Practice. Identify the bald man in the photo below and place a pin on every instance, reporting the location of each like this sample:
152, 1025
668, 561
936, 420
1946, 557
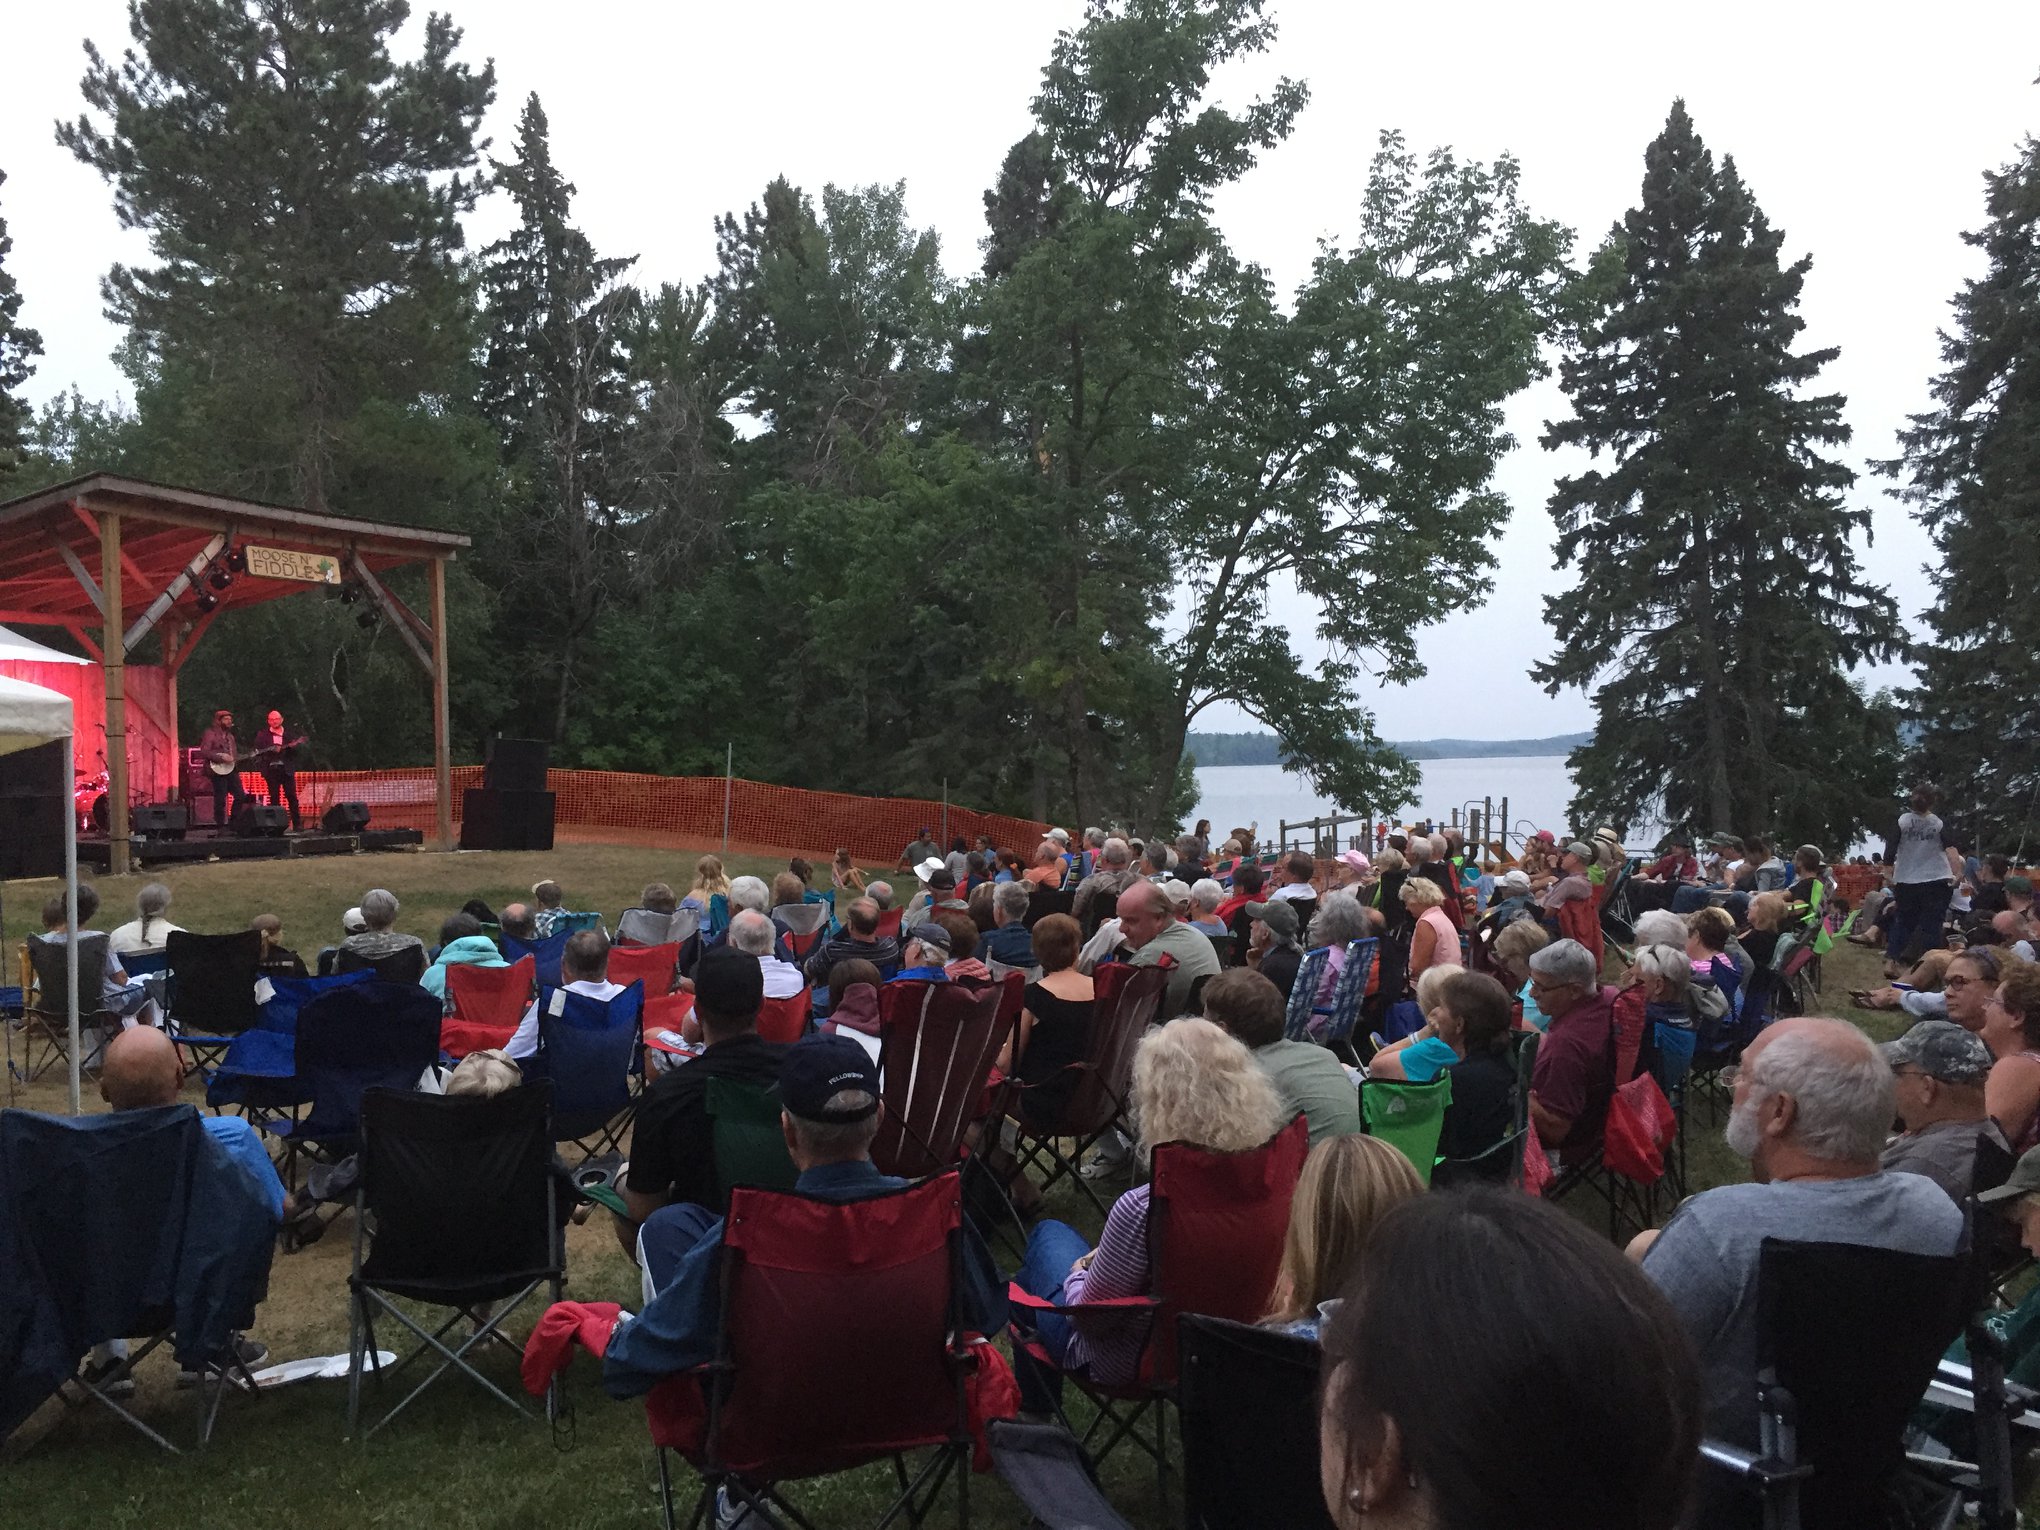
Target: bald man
1814, 1100
1148, 923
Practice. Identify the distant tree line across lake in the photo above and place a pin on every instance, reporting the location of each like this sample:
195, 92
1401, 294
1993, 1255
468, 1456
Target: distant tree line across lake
1266, 748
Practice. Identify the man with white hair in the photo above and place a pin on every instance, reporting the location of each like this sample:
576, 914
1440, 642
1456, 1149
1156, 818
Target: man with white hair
1205, 897
753, 934
1813, 1101
1574, 1075
1114, 875
584, 969
1009, 943
379, 912
751, 893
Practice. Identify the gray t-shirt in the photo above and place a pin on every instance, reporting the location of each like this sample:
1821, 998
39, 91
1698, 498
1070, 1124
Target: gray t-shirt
1922, 849
1194, 956
1706, 1260
1944, 1152
1312, 1081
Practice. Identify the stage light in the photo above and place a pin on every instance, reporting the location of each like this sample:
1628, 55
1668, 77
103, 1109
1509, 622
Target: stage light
207, 601
367, 621
237, 560
219, 578
350, 592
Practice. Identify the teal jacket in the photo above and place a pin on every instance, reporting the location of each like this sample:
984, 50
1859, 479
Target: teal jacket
468, 951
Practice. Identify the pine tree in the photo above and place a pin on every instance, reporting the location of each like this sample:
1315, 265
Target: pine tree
17, 344
302, 192
1973, 471
1719, 606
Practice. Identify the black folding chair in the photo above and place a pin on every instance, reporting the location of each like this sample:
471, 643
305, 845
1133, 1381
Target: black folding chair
1248, 1405
46, 1023
209, 997
405, 965
1848, 1339
465, 1208
1047, 1470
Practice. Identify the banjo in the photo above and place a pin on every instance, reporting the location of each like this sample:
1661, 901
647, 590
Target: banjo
227, 764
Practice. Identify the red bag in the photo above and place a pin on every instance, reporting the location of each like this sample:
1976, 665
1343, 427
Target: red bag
1640, 1127
1537, 1170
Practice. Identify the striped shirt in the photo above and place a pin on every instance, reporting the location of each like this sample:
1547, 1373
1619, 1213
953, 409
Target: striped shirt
1108, 1348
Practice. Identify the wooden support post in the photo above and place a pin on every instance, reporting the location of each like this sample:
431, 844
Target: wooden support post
171, 653
115, 667
442, 724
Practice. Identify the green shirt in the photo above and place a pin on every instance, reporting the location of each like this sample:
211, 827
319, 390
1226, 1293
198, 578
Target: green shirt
1311, 1080
1195, 958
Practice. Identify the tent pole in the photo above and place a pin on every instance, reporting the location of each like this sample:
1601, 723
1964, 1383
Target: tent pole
71, 915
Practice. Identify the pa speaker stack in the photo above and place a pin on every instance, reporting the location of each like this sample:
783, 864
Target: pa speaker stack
512, 810
161, 820
260, 820
34, 797
345, 818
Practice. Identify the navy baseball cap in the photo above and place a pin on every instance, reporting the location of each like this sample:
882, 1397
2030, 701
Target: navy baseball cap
816, 1069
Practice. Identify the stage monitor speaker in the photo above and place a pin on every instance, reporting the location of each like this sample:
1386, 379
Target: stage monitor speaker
32, 833
516, 765
161, 820
261, 820
345, 818
499, 820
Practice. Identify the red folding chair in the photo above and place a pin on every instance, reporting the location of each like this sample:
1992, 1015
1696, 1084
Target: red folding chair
859, 1302
785, 1020
804, 943
937, 1043
889, 923
657, 967
484, 1005
1127, 1000
1216, 1223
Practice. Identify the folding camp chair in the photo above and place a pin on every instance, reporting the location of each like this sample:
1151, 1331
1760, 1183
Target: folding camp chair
1248, 1402
1216, 1224
1833, 1408
351, 1039
544, 953
1310, 976
406, 964
657, 967
1331, 1024
466, 1217
1127, 1001
937, 1044
802, 925
127, 1226
1046, 1469
573, 923
785, 1020
46, 1022
259, 1070
1408, 1117
593, 1051
209, 997
485, 1005
750, 1147
1617, 913
858, 1300
889, 923
646, 927
718, 914
1044, 901
1502, 1162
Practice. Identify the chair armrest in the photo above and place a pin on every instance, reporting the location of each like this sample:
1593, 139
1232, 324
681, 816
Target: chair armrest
1027, 1299
1767, 1472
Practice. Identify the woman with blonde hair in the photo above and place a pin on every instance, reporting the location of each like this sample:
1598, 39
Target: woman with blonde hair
844, 873
1434, 941
1348, 1184
709, 879
1192, 1082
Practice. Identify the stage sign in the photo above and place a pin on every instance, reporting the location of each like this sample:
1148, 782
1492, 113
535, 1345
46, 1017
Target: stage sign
282, 563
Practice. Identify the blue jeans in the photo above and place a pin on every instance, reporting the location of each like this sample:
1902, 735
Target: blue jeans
668, 1236
1052, 1247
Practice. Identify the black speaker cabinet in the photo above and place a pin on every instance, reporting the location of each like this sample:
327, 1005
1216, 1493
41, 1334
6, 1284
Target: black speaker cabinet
32, 834
161, 820
260, 819
516, 765
345, 818
500, 820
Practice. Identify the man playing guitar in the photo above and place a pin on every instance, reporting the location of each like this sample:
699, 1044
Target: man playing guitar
276, 754
223, 758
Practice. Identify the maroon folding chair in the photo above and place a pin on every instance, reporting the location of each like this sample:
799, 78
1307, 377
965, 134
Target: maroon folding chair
1128, 998
937, 1044
839, 1345
657, 967
1216, 1223
889, 923
484, 1005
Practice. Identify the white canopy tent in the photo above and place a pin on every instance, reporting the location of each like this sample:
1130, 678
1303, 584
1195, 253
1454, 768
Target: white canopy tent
31, 715
16, 649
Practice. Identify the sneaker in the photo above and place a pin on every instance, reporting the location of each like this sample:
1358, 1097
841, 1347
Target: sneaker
248, 1354
733, 1516
94, 1375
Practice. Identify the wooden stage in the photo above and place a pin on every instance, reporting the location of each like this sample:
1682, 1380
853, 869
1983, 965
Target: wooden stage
206, 845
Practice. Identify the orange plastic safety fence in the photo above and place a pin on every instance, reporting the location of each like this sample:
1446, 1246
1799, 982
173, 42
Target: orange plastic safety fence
624, 808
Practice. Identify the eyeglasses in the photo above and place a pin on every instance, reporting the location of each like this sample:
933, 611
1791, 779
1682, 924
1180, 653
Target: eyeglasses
1950, 984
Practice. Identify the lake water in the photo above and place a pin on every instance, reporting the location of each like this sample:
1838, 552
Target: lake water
1538, 787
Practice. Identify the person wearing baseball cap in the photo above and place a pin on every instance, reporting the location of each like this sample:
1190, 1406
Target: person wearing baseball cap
1272, 949
1940, 1070
924, 952
2018, 1199
672, 1160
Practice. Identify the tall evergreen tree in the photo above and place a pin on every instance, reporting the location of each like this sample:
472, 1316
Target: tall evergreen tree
17, 345
1972, 466
1720, 605
302, 193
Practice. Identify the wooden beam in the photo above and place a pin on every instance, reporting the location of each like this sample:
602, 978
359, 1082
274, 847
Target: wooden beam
82, 574
161, 605
442, 726
84, 641
400, 617
115, 670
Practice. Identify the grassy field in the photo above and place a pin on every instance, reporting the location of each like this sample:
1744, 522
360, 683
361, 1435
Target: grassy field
457, 1459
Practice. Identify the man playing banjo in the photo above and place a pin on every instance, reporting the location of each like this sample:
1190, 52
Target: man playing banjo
222, 754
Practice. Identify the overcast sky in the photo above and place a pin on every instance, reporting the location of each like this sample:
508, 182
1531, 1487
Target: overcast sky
1862, 133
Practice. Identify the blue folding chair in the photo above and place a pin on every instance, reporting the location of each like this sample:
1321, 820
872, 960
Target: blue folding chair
259, 1071
209, 996
1296, 1020
1332, 1024
143, 963
351, 1039
545, 954
593, 1051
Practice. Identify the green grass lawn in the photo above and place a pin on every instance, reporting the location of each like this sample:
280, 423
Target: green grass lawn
457, 1459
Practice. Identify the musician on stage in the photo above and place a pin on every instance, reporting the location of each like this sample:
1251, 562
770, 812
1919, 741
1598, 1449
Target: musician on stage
278, 757
222, 754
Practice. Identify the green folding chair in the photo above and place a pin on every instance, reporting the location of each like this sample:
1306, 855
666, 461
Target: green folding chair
750, 1149
1408, 1117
